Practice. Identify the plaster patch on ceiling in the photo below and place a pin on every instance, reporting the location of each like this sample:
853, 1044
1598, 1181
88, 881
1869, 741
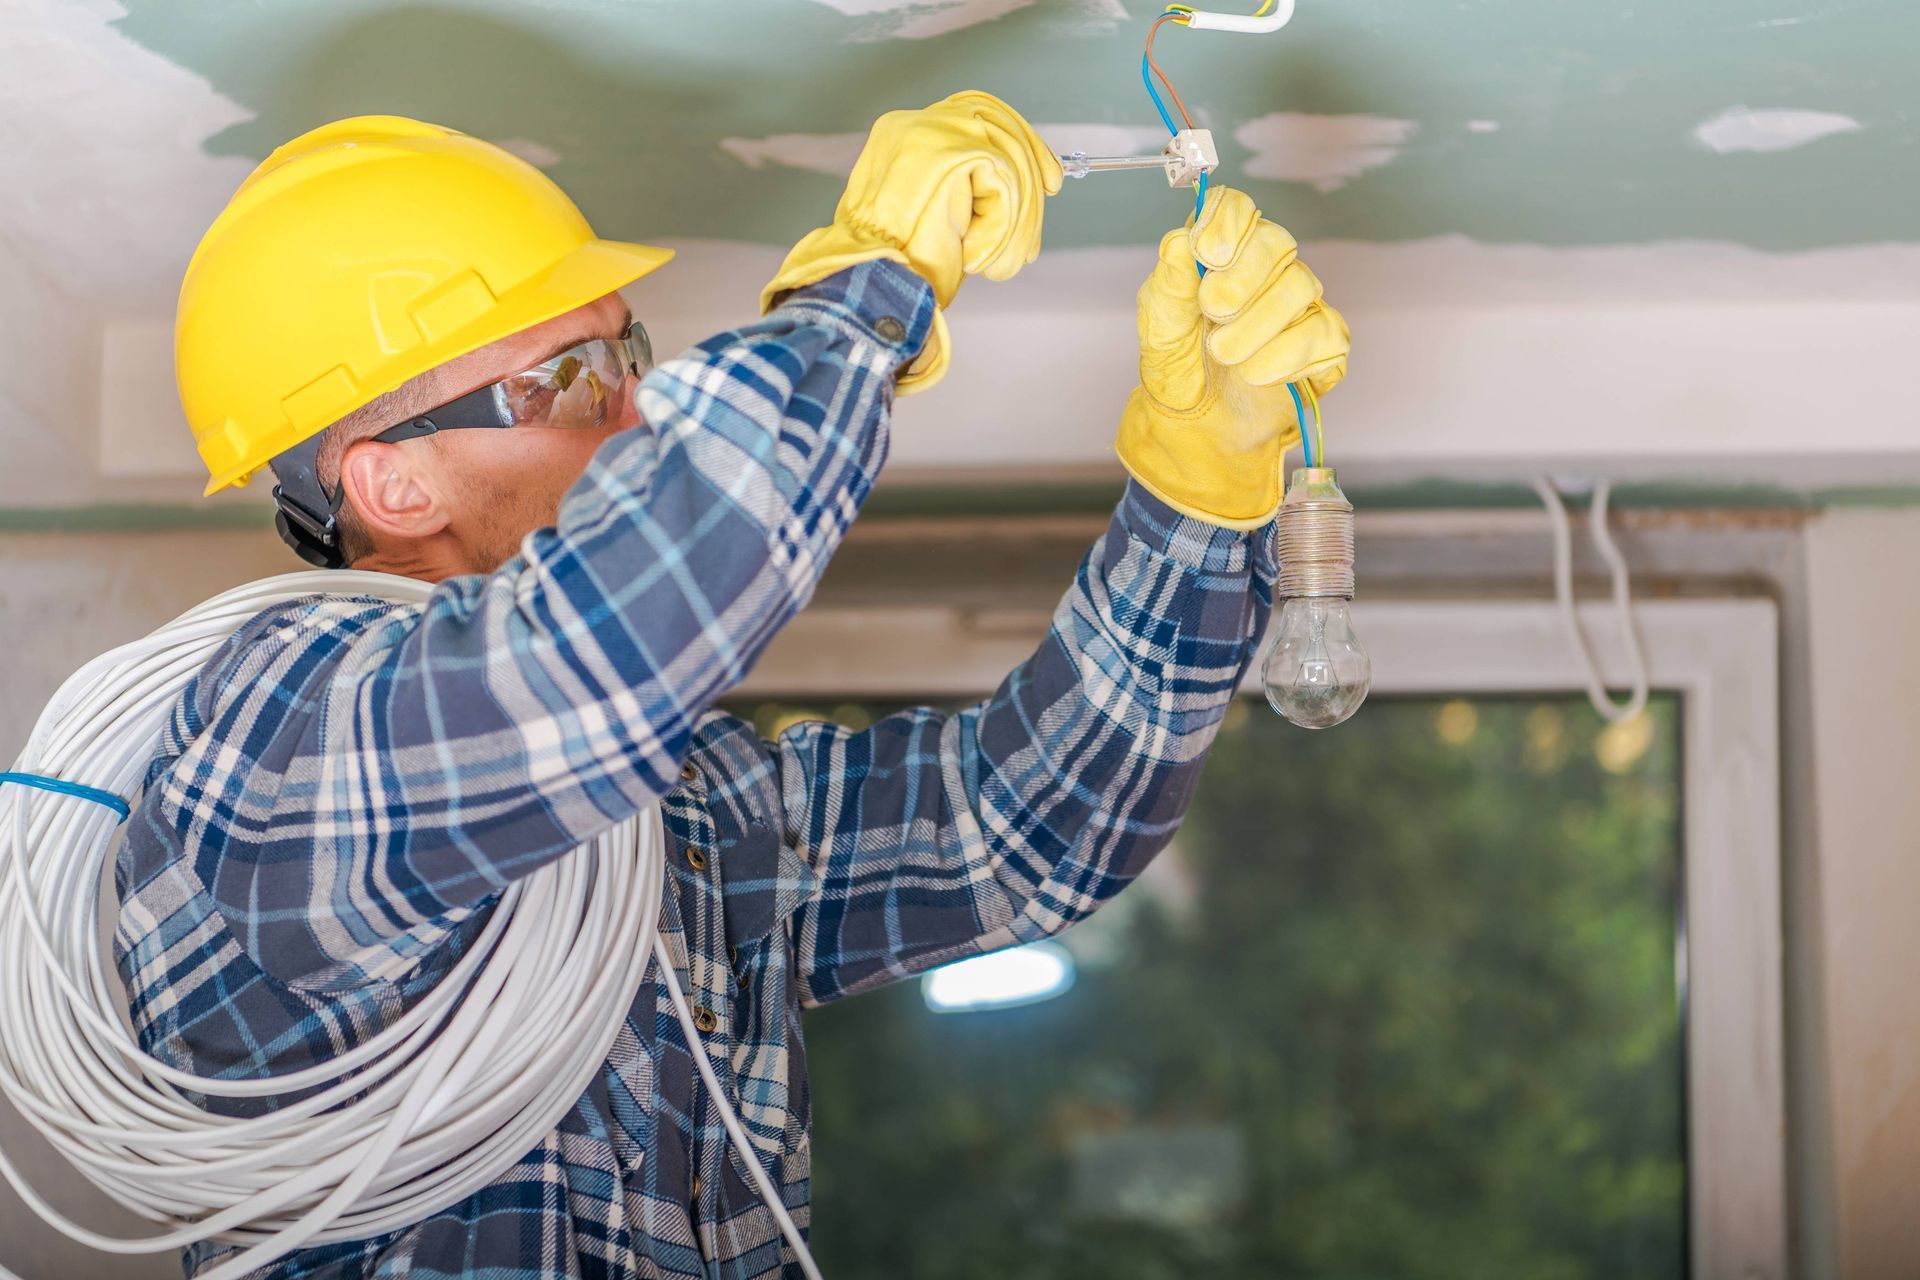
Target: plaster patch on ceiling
537, 154
1325, 152
920, 19
1105, 13
1747, 129
1821, 14
828, 153
118, 219
1104, 139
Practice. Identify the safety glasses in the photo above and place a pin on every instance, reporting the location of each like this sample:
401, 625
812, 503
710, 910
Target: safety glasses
579, 387
576, 388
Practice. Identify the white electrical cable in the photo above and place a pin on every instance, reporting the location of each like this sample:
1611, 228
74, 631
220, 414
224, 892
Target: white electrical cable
1243, 23
1612, 712
419, 1117
762, 1181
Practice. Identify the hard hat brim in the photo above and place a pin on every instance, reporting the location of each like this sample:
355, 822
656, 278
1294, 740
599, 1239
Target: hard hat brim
591, 271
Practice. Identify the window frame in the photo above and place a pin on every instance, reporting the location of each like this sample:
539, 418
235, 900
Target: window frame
1720, 656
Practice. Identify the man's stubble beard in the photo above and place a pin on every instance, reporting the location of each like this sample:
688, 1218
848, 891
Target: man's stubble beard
512, 512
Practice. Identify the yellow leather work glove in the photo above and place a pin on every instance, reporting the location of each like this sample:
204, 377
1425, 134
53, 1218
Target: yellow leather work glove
951, 191
1206, 429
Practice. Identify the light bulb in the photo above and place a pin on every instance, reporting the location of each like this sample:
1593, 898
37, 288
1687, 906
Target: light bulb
1318, 672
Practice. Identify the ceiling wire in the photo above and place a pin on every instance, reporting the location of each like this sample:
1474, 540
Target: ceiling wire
1611, 711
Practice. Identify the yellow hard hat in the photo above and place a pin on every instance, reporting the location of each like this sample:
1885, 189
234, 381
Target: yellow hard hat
359, 256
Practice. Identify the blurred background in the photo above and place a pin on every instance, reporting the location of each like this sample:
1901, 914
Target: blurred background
1476, 984
1397, 1002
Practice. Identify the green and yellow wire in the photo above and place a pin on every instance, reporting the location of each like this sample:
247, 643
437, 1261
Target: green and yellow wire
1319, 431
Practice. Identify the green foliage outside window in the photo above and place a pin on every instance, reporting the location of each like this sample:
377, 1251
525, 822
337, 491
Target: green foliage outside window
1399, 1003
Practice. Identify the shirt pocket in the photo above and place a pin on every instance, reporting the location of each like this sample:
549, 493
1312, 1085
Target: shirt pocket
764, 881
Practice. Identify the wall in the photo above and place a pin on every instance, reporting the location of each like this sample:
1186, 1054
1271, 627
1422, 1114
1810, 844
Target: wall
1716, 365
66, 597
1863, 618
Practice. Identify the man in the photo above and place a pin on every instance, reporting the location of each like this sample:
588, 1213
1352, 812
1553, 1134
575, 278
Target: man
423, 338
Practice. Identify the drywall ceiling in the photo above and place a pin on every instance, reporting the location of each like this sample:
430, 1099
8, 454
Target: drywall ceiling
1567, 159
1782, 124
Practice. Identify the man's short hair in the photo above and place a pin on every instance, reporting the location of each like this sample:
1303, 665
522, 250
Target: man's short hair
364, 423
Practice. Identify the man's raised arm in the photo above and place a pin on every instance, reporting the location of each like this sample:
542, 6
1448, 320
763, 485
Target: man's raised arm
936, 837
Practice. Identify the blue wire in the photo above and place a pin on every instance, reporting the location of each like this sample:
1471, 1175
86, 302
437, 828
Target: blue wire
1306, 432
1200, 194
1146, 75
55, 785
1199, 204
1199, 207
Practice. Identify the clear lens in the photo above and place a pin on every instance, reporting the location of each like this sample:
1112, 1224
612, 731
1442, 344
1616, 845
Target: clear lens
639, 348
578, 387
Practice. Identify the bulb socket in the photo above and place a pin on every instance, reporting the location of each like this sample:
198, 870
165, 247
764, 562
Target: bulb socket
1315, 538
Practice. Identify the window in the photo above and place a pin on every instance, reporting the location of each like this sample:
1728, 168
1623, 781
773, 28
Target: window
1472, 985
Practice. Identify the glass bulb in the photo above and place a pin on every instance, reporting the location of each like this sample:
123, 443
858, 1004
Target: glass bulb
1318, 672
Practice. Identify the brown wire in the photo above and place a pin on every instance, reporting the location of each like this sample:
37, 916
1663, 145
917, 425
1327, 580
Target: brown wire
1172, 92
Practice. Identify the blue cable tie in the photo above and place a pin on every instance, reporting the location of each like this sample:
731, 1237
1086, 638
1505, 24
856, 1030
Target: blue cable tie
95, 794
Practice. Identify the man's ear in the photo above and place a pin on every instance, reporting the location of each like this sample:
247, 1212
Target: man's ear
393, 490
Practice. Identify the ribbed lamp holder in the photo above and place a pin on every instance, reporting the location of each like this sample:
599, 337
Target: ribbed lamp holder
1316, 538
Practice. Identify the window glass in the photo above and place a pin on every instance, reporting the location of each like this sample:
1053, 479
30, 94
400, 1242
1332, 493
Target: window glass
1399, 1001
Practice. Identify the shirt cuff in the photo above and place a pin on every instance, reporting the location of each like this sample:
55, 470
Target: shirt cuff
885, 301
1196, 543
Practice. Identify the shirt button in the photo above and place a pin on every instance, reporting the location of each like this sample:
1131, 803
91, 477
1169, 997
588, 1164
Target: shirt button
696, 857
705, 1020
688, 773
890, 328
694, 1187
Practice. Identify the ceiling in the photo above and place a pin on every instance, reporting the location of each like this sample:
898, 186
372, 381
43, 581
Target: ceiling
1536, 170
1782, 124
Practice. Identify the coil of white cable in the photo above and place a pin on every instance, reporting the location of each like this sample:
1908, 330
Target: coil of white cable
417, 1118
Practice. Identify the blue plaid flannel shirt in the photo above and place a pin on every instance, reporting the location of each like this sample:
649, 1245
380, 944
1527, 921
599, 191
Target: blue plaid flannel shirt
344, 789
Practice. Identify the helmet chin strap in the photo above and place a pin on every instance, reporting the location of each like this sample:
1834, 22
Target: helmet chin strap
307, 518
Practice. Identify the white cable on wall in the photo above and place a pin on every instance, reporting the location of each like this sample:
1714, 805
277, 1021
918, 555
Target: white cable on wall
418, 1118
1597, 694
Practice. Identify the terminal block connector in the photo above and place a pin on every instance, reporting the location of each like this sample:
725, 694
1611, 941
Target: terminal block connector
1184, 159
1190, 156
